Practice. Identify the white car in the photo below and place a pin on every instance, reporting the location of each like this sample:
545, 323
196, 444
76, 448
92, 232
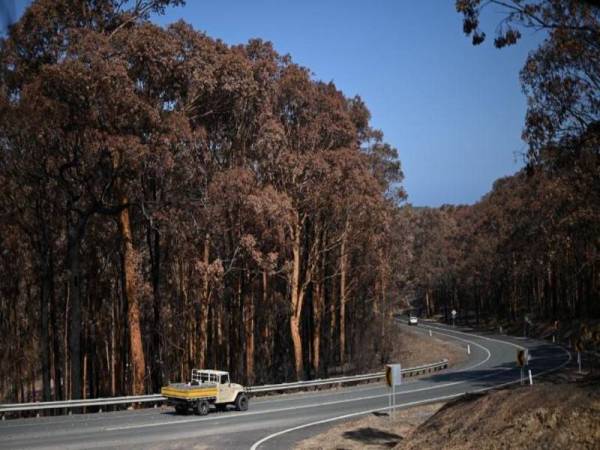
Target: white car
412, 320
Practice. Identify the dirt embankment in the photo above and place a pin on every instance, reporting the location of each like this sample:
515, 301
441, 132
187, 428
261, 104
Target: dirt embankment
558, 413
543, 416
413, 348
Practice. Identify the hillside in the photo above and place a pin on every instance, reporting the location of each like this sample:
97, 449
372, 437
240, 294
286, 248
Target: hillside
548, 415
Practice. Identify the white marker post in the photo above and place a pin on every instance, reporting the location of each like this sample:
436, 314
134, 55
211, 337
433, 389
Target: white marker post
430, 333
530, 378
453, 317
393, 375
468, 349
390, 402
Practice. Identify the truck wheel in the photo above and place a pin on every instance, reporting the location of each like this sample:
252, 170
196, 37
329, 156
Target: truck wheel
202, 408
241, 402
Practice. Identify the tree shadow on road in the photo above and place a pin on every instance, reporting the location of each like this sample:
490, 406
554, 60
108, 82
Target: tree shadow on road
373, 436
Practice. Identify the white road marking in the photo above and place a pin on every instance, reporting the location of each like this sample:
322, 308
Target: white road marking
478, 335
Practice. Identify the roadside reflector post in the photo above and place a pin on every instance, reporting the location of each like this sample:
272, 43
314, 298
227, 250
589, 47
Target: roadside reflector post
530, 378
522, 361
430, 333
393, 376
578, 345
468, 349
500, 329
388, 380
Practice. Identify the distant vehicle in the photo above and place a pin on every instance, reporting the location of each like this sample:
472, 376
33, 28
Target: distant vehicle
207, 387
412, 320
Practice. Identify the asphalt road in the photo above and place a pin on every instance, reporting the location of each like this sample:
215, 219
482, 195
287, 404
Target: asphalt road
278, 422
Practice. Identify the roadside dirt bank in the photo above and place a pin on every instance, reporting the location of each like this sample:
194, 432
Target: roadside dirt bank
544, 416
413, 348
550, 415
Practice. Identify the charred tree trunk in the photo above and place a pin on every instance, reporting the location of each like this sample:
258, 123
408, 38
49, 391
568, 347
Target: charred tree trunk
45, 299
266, 336
428, 308
297, 299
155, 260
74, 235
56, 355
130, 272
249, 329
204, 305
343, 293
317, 316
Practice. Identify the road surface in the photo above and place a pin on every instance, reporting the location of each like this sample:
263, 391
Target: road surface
279, 422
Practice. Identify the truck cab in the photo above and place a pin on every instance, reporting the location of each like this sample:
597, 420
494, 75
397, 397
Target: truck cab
226, 390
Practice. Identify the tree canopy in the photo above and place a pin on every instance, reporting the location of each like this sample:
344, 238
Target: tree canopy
168, 201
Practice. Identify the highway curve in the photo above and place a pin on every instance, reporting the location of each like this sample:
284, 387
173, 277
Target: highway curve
279, 421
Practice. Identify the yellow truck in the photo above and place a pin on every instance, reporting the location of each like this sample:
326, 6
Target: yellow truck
206, 388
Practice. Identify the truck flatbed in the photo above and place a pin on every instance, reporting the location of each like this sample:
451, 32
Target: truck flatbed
186, 391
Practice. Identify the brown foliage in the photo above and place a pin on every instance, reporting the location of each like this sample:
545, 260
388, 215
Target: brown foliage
168, 201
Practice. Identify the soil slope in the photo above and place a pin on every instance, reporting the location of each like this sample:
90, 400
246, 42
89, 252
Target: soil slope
544, 416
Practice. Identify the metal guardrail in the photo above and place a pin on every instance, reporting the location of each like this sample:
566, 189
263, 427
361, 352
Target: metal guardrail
411, 371
66, 404
156, 398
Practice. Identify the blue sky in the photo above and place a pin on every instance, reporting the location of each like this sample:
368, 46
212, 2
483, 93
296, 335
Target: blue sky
453, 111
